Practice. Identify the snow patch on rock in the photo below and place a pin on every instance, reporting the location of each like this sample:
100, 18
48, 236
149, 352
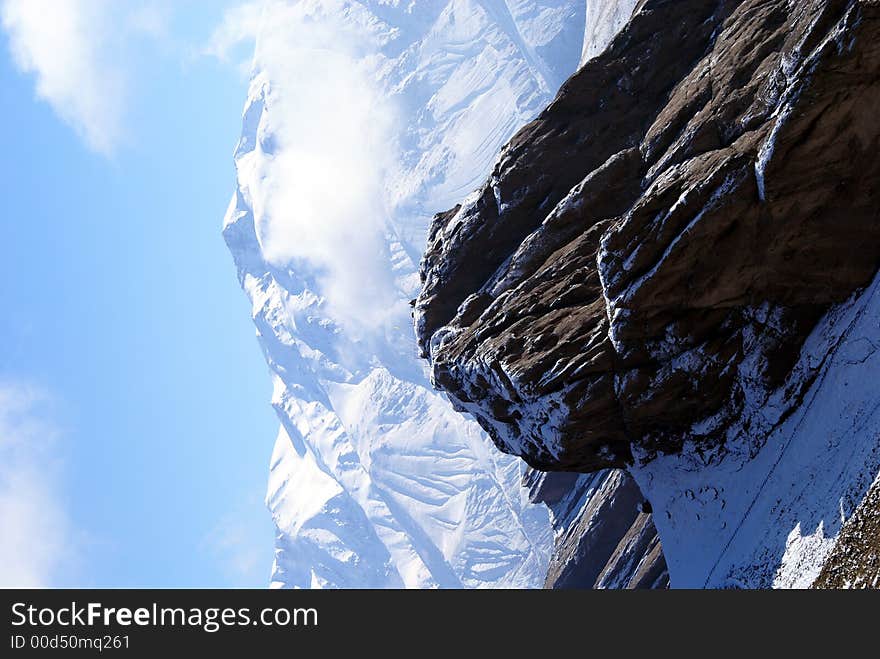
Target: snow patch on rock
604, 19
768, 514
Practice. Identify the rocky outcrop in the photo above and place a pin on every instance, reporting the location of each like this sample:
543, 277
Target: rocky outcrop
855, 560
605, 537
648, 257
670, 271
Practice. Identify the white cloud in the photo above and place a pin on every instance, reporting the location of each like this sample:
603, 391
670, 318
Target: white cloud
34, 530
66, 45
321, 200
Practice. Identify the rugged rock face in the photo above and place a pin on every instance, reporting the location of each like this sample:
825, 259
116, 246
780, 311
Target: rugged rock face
648, 257
605, 537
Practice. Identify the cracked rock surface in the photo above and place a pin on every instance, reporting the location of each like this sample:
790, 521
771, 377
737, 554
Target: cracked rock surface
649, 255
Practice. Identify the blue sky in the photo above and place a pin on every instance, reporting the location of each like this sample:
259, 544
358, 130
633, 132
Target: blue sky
135, 427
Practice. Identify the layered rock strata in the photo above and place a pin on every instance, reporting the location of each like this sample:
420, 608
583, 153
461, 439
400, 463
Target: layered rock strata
604, 533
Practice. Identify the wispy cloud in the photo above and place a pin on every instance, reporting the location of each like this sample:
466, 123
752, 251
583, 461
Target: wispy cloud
320, 193
81, 54
240, 543
240, 25
64, 44
35, 538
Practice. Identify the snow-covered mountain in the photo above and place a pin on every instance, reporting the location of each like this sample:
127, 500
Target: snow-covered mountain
364, 119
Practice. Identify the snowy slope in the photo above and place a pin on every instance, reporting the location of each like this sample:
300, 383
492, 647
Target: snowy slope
757, 517
605, 18
363, 119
